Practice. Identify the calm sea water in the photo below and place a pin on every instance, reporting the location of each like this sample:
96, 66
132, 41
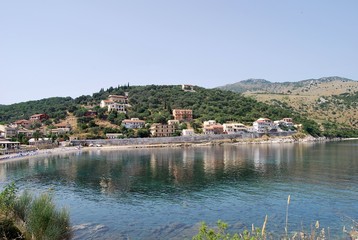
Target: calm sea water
166, 193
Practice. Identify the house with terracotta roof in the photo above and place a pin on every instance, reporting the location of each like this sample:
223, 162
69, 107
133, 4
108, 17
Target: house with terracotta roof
263, 125
105, 103
23, 123
118, 99
39, 117
183, 115
213, 129
115, 103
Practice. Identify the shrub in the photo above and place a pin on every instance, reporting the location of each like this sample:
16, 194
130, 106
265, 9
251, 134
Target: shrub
44, 221
38, 217
22, 204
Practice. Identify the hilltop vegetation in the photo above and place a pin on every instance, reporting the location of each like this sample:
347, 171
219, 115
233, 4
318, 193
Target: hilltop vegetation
155, 103
328, 101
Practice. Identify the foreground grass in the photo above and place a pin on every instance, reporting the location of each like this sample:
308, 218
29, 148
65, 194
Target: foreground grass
220, 232
28, 217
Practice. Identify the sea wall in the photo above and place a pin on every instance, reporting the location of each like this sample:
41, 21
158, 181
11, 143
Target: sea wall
176, 140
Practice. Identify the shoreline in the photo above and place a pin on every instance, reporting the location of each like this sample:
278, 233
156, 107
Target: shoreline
250, 141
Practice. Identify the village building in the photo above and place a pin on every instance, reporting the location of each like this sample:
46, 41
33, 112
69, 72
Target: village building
183, 115
118, 99
8, 131
264, 125
114, 135
162, 130
39, 117
187, 88
188, 132
105, 103
61, 128
26, 132
116, 107
133, 123
209, 123
115, 103
23, 123
287, 122
7, 147
232, 128
173, 122
40, 141
91, 113
213, 129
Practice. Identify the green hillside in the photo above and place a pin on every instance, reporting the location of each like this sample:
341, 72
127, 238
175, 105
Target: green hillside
154, 103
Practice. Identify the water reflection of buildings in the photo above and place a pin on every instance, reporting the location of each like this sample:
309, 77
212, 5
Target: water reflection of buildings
123, 171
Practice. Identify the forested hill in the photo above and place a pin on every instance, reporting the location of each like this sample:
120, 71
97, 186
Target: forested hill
154, 103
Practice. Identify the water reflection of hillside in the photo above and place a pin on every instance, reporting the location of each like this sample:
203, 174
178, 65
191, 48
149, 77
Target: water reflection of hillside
165, 170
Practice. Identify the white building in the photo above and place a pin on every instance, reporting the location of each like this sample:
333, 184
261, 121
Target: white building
105, 103
232, 128
263, 125
117, 107
209, 123
114, 135
188, 132
133, 123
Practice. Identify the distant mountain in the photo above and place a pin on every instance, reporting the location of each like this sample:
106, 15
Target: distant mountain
264, 86
325, 100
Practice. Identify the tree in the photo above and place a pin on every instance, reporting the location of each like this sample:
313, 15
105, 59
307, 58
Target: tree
143, 132
37, 135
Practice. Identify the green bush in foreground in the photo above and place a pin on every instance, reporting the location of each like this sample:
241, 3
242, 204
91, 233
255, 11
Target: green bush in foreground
220, 233
38, 217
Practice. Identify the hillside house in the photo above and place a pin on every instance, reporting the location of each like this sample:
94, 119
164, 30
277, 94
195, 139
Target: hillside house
25, 132
39, 117
61, 128
183, 115
8, 131
287, 122
209, 123
188, 132
116, 107
133, 123
162, 130
91, 113
232, 128
187, 88
23, 123
263, 125
115, 103
213, 129
118, 99
105, 103
173, 122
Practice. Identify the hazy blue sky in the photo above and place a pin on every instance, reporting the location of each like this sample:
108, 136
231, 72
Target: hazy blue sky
71, 48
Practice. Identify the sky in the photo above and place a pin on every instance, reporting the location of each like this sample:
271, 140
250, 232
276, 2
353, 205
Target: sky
73, 48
